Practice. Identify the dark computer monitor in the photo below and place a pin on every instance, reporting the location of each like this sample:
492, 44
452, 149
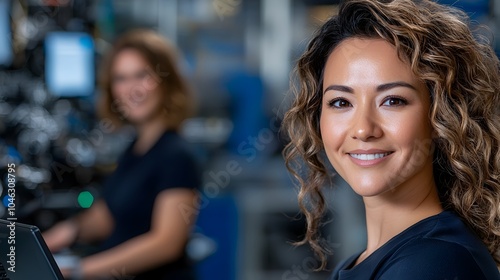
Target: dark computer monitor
30, 257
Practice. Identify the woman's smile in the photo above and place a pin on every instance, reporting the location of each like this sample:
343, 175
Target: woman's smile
367, 158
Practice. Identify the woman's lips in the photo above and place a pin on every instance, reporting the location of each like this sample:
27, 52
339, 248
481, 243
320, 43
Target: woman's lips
368, 158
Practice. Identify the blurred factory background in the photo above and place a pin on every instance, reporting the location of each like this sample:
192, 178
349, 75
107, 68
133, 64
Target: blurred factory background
238, 56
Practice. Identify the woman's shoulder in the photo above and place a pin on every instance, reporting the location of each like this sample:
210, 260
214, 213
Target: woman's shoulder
449, 229
433, 258
449, 250
438, 247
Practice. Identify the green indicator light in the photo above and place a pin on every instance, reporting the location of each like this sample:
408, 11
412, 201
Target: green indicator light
85, 199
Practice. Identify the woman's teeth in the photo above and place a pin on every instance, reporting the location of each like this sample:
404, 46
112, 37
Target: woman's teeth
369, 156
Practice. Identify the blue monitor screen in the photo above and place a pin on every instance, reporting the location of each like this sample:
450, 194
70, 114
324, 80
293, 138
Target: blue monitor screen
69, 64
6, 54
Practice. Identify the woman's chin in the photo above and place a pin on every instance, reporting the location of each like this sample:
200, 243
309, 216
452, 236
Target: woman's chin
138, 119
370, 190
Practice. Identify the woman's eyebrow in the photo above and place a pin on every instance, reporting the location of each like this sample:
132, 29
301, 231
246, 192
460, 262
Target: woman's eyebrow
339, 88
382, 87
392, 85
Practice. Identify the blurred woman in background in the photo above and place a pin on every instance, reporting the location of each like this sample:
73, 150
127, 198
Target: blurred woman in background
405, 104
149, 202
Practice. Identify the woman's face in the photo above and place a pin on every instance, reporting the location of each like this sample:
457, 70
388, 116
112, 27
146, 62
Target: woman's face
375, 119
135, 87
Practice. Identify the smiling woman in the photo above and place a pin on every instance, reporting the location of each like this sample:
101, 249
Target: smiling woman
140, 220
405, 104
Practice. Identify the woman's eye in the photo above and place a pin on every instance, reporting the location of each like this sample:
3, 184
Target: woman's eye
394, 101
339, 103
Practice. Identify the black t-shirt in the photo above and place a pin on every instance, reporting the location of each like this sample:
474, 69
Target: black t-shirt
131, 190
439, 247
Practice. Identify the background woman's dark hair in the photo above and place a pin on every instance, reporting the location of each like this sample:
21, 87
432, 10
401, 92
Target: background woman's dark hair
461, 73
161, 57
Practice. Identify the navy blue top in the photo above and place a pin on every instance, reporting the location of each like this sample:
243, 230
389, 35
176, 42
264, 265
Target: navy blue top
131, 190
439, 247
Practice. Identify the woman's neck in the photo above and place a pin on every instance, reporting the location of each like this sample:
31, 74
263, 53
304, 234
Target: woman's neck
148, 134
390, 214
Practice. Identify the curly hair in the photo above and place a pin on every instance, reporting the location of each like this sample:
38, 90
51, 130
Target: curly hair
462, 74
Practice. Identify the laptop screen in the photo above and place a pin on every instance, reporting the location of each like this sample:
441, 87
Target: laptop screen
24, 254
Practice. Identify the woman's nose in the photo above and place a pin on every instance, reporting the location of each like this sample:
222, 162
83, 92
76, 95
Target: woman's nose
366, 125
